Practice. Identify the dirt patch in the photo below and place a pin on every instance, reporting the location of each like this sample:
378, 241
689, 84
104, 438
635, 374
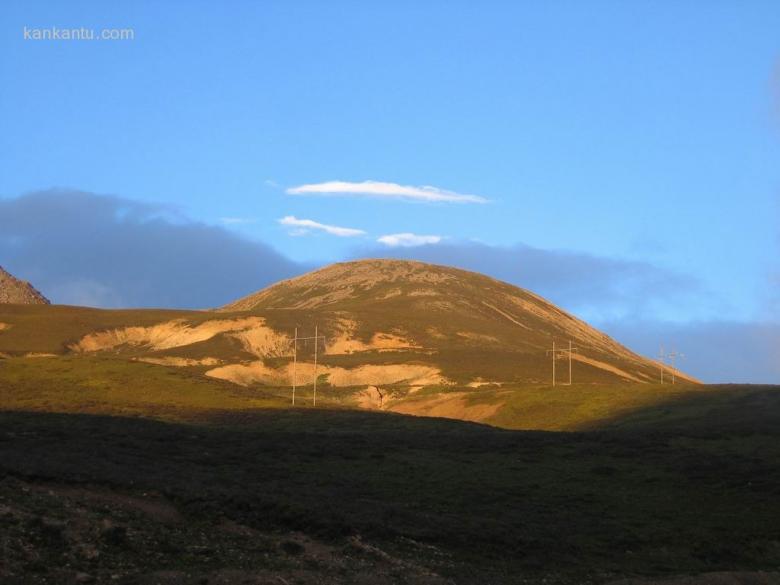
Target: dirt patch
4, 327
425, 293
450, 405
379, 342
346, 341
478, 338
264, 342
367, 375
372, 398
479, 382
396, 292
180, 362
435, 332
254, 335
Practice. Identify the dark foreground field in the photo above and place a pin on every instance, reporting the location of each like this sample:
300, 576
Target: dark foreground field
339, 496
173, 479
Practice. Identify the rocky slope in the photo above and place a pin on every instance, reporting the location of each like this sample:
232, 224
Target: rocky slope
20, 292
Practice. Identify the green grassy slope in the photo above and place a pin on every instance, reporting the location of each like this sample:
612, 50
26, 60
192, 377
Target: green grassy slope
465, 325
50, 329
114, 385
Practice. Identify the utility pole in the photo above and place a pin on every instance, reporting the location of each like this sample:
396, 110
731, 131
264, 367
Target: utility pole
673, 356
296, 339
315, 363
569, 351
295, 362
554, 355
555, 352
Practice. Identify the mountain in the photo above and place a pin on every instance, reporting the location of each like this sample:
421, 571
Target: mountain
469, 328
396, 335
13, 290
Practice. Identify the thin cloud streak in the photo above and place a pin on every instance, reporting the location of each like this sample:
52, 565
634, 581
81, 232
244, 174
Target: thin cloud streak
385, 190
407, 240
308, 224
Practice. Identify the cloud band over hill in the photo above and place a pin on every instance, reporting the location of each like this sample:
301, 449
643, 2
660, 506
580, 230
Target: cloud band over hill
108, 251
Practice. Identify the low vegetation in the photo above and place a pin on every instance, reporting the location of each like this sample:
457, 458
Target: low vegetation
119, 471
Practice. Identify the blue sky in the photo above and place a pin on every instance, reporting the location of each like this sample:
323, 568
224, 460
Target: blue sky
642, 132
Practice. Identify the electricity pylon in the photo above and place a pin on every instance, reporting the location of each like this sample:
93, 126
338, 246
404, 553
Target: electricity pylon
316, 337
569, 351
555, 352
673, 356
554, 356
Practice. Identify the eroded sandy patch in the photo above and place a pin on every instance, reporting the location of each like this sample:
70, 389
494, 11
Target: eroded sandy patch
367, 375
479, 382
347, 342
254, 335
478, 338
450, 405
4, 327
372, 398
180, 362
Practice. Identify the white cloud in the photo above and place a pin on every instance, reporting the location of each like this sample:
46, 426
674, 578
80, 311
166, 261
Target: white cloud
407, 240
388, 190
304, 225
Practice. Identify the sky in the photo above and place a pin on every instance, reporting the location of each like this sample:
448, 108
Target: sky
619, 158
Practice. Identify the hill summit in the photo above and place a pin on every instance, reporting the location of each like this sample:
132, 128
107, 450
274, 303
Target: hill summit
20, 292
471, 326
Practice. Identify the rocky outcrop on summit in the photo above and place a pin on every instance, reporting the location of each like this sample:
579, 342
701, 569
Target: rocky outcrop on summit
19, 292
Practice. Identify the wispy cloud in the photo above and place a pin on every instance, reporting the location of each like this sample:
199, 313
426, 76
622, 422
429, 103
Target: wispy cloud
407, 240
385, 190
304, 225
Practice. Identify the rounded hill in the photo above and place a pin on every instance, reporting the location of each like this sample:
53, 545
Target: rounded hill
475, 328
